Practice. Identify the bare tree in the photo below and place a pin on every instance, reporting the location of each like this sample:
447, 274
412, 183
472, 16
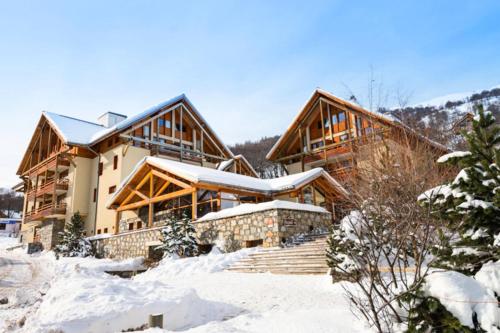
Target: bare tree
383, 245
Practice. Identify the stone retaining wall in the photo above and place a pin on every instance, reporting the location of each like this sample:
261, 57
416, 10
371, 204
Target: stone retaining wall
128, 244
272, 227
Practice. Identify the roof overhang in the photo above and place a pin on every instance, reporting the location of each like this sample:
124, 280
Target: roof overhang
343, 104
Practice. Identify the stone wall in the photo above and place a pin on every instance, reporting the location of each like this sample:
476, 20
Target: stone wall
272, 226
49, 233
128, 244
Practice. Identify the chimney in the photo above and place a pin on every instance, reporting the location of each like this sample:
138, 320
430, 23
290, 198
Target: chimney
110, 119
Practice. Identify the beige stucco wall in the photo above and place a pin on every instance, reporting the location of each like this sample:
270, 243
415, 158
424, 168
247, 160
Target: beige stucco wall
106, 217
77, 197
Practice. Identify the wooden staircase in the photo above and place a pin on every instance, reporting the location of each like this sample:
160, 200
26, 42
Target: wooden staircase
306, 256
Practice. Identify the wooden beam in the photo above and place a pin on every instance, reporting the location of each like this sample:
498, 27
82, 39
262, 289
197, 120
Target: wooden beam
163, 197
137, 192
170, 179
162, 188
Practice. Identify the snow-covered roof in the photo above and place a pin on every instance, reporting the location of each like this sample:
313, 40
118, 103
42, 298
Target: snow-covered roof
248, 208
198, 174
84, 133
224, 165
73, 131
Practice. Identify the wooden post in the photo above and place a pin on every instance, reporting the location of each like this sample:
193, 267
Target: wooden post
218, 201
194, 205
181, 134
308, 139
117, 222
150, 210
322, 128
330, 121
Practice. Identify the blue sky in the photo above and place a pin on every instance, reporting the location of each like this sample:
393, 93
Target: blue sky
248, 66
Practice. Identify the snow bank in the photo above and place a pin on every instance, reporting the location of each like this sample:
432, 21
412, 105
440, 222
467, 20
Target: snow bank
252, 208
465, 297
170, 268
83, 298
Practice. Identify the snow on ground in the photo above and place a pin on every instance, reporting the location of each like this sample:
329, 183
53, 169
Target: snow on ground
194, 294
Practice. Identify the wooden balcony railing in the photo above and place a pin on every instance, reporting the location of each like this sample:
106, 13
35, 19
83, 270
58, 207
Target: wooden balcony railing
61, 185
45, 211
49, 164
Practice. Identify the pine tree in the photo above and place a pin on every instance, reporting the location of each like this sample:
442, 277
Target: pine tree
470, 203
73, 243
178, 238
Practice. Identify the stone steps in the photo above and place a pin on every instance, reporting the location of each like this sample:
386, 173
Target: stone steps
307, 257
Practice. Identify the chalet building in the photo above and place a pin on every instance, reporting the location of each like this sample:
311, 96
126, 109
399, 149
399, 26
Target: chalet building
73, 165
128, 176
334, 134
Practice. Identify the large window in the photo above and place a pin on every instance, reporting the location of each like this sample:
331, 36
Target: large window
341, 117
146, 131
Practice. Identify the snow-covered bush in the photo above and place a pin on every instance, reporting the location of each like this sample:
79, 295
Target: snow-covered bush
178, 238
72, 241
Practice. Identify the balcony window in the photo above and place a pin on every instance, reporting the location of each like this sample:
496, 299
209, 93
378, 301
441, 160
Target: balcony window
168, 124
326, 122
178, 128
161, 122
145, 131
335, 119
341, 117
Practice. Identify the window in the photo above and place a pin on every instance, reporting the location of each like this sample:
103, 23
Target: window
139, 224
168, 124
99, 169
115, 162
112, 189
3, 226
341, 117
334, 119
161, 122
327, 123
368, 130
178, 128
130, 226
105, 230
317, 145
98, 231
145, 130
319, 124
95, 195
343, 137
110, 142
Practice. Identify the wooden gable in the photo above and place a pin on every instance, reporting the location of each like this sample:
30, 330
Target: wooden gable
45, 142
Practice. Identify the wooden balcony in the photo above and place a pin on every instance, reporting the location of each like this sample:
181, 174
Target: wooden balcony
60, 186
49, 210
49, 164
